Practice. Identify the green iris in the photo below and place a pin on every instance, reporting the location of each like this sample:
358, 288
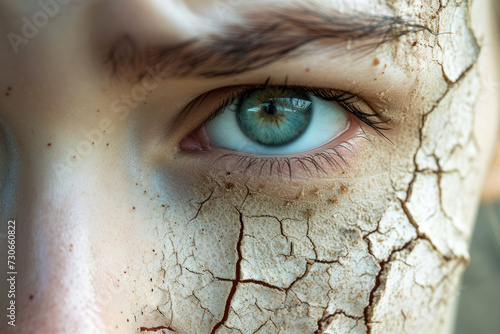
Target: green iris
274, 116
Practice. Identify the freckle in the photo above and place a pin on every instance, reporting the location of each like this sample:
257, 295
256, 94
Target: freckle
133, 208
334, 201
74, 157
9, 88
414, 44
31, 297
158, 196
228, 173
124, 272
136, 184
49, 144
307, 69
385, 66
98, 110
163, 205
229, 186
376, 61
108, 143
344, 189
144, 191
153, 250
128, 320
92, 143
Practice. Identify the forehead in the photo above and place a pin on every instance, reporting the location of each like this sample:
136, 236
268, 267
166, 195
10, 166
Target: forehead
207, 6
192, 15
417, 8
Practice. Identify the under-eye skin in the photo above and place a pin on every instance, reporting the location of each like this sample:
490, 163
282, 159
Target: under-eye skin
282, 129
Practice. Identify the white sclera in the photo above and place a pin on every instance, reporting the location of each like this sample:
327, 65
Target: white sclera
328, 121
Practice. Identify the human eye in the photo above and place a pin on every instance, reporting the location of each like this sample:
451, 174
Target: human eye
285, 130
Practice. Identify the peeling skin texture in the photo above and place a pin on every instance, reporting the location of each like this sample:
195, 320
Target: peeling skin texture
139, 238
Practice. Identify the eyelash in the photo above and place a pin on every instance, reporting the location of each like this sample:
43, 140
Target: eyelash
376, 121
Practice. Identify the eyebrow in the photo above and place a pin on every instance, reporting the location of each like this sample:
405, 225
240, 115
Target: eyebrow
261, 39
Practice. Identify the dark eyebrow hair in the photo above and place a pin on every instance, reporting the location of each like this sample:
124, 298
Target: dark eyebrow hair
260, 39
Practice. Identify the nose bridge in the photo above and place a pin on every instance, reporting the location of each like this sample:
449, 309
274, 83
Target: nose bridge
55, 286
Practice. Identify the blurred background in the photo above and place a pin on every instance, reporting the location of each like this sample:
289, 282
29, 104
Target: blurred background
479, 297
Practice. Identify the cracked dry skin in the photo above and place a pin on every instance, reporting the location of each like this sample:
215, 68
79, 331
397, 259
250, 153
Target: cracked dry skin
378, 246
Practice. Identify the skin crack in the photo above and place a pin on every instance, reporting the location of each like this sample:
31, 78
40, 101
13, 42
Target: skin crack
155, 329
201, 206
253, 281
326, 320
237, 275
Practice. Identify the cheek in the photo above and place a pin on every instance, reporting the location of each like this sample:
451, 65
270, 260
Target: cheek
185, 262
226, 253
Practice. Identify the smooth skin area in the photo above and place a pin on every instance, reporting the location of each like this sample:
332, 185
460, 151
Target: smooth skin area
118, 230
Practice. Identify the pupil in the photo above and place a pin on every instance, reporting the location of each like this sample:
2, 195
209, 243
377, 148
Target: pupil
270, 108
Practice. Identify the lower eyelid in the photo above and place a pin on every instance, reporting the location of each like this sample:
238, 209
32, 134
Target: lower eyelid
328, 160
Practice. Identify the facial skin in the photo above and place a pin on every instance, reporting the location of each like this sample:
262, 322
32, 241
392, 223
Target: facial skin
120, 231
